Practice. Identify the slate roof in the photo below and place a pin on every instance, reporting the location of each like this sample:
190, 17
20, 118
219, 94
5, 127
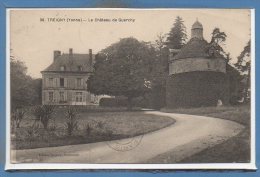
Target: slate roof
71, 64
195, 48
197, 25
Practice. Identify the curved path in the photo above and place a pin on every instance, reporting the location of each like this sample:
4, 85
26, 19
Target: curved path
188, 135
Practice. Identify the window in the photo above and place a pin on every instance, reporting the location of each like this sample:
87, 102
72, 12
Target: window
61, 82
79, 68
51, 96
79, 82
50, 82
79, 97
62, 68
62, 96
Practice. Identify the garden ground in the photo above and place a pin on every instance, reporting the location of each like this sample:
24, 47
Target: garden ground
92, 127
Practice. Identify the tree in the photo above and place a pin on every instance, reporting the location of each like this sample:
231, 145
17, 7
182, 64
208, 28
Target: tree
25, 91
215, 46
122, 69
244, 66
177, 36
159, 73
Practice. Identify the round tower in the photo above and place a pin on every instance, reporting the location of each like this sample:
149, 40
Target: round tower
196, 79
197, 30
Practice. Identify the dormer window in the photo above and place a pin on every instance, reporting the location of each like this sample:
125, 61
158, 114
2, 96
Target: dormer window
79, 68
62, 68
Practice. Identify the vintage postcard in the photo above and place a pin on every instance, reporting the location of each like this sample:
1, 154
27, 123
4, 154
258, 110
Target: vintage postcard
130, 89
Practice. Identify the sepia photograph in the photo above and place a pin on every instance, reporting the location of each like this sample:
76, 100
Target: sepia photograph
130, 89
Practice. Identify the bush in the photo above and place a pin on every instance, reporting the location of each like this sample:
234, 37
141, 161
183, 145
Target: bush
43, 114
17, 116
32, 132
88, 129
71, 120
113, 102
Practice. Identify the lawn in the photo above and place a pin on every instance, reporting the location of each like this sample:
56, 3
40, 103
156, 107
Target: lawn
92, 127
235, 149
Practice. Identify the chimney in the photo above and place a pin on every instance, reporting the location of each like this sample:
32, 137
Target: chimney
90, 57
70, 53
56, 54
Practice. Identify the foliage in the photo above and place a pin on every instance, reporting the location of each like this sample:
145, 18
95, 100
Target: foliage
88, 129
113, 102
177, 36
235, 84
244, 66
43, 114
244, 60
32, 132
17, 117
25, 91
71, 120
215, 46
123, 69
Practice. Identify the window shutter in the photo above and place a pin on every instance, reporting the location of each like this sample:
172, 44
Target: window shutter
47, 96
65, 82
54, 96
65, 95
72, 96
81, 82
84, 99
56, 82
47, 82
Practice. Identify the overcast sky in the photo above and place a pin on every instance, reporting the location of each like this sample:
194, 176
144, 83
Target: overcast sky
33, 41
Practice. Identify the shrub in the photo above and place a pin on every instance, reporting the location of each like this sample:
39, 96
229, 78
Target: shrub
88, 129
32, 132
71, 120
43, 114
100, 125
17, 116
113, 102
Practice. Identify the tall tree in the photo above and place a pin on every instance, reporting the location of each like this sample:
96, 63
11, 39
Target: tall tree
215, 48
159, 73
177, 36
244, 66
24, 89
122, 69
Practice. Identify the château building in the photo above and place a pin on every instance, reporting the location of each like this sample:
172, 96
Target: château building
64, 82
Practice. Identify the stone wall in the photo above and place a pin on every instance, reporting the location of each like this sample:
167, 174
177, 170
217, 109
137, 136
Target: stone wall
196, 89
197, 64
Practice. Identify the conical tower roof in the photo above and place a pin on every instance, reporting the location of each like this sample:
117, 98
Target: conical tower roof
197, 25
195, 48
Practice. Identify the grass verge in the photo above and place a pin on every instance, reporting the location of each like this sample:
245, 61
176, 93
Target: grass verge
235, 149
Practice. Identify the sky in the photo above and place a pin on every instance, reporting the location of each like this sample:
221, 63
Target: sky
33, 40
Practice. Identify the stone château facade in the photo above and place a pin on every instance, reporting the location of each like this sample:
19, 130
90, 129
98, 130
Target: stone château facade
196, 78
64, 82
